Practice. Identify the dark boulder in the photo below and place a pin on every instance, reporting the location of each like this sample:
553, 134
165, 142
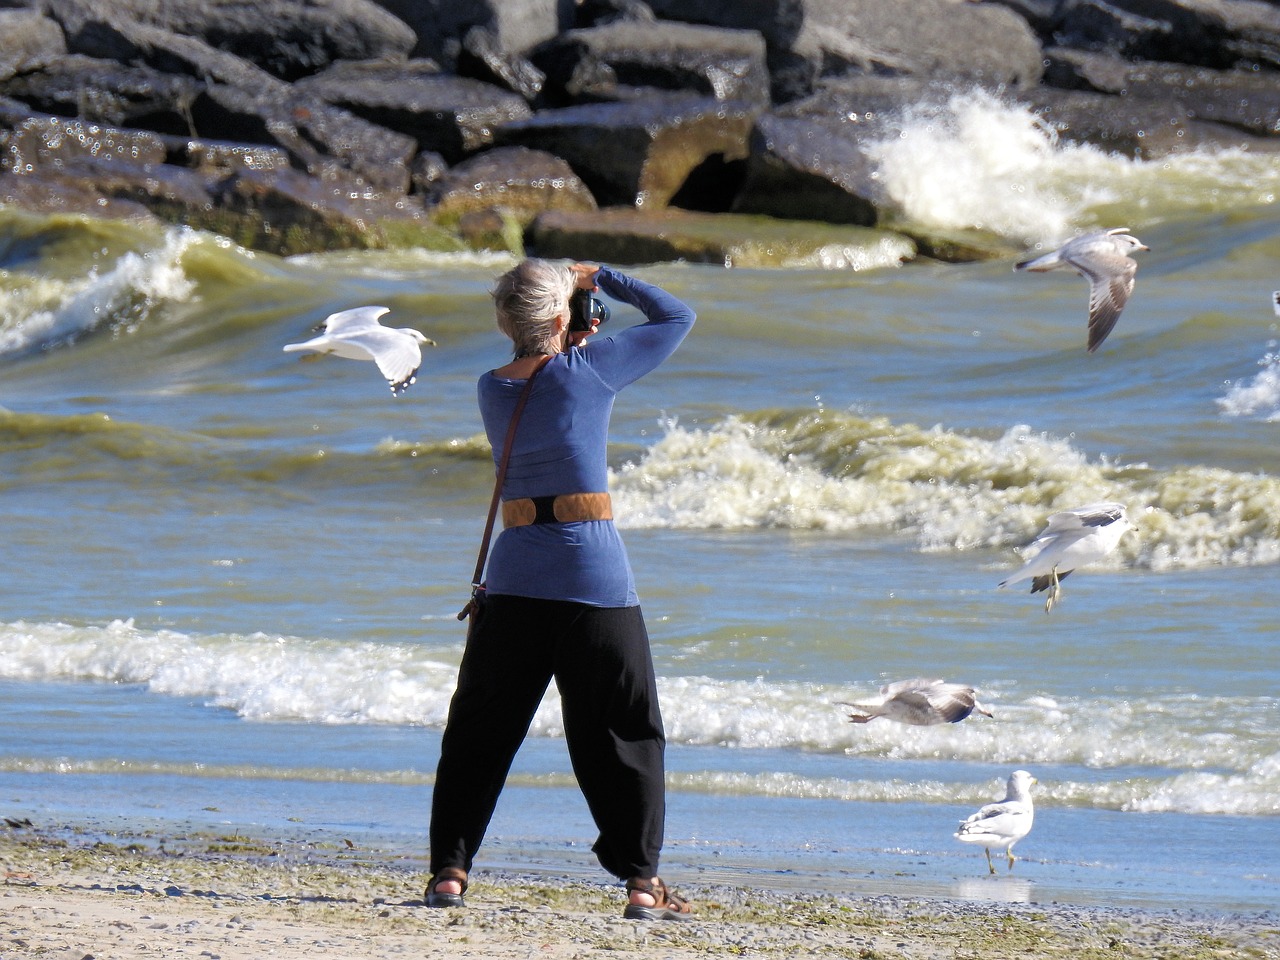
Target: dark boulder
810, 39
215, 159
808, 168
34, 144
30, 41
1244, 99
516, 180
810, 158
287, 212
715, 62
132, 43
481, 57
287, 39
628, 236
450, 115
1219, 35
516, 25
102, 91
321, 139
57, 193
638, 153
1149, 109
597, 13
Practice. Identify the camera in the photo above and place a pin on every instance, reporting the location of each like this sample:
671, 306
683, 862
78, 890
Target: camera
585, 310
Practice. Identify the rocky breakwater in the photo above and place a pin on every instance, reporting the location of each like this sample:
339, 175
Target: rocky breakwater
735, 131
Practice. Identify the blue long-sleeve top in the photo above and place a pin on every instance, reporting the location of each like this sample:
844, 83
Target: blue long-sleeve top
561, 445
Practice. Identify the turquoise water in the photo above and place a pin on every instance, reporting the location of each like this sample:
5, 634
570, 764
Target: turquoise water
231, 577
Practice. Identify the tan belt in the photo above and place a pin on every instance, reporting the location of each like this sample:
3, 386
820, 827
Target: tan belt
566, 508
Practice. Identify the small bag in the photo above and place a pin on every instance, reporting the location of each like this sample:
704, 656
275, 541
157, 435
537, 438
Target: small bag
476, 600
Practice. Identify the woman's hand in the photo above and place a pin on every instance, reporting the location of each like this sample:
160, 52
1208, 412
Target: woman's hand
585, 275
585, 279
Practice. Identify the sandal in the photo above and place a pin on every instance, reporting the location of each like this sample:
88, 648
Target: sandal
666, 905
436, 899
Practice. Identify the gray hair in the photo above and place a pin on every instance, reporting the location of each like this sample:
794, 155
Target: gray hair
529, 298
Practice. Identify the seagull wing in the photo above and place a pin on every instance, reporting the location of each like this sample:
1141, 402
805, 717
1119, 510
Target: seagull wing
355, 320
952, 702
925, 702
1111, 277
397, 354
1008, 819
903, 686
1083, 518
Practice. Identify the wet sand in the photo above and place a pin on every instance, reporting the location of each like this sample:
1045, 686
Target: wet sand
235, 898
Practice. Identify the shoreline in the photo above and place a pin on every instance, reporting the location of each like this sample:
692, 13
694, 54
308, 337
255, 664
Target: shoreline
235, 897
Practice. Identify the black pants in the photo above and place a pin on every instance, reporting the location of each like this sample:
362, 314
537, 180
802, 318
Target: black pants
603, 669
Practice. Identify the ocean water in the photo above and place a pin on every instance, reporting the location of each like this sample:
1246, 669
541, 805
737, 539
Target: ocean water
230, 576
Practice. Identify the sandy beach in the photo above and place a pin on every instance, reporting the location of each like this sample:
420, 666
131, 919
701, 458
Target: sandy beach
235, 898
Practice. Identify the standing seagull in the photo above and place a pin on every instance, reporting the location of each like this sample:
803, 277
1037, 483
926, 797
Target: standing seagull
1071, 539
1002, 824
1103, 259
920, 702
357, 335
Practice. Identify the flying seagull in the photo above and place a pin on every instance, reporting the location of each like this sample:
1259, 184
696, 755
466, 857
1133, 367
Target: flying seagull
1004, 823
1071, 539
357, 335
1103, 259
1275, 302
920, 702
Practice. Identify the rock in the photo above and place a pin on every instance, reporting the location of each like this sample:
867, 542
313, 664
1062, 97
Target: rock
174, 53
30, 41
102, 91
627, 236
1244, 99
597, 13
720, 63
809, 168
516, 25
59, 194
35, 144
637, 153
450, 115
288, 39
1151, 109
426, 169
287, 212
1226, 34
175, 194
482, 58
517, 182
215, 159
808, 39
940, 39
1070, 69
319, 137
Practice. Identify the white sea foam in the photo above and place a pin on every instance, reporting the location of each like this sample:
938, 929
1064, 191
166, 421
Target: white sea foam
1202, 754
1258, 396
946, 490
41, 311
978, 162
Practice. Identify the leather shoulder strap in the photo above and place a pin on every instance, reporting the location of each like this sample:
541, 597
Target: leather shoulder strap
478, 577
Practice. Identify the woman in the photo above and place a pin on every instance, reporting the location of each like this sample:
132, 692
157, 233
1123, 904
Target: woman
561, 599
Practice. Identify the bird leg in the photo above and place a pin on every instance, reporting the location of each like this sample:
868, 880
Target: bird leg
990, 866
1010, 853
1055, 590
